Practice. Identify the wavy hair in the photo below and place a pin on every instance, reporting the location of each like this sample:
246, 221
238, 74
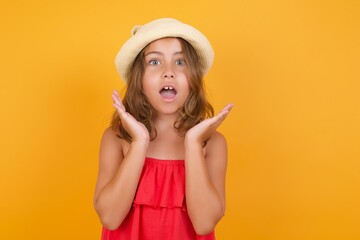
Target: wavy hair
196, 107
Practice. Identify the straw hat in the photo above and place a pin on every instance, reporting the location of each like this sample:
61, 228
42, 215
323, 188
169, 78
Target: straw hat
160, 28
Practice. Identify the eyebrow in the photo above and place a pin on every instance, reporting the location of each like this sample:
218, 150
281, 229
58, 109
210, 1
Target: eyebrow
160, 53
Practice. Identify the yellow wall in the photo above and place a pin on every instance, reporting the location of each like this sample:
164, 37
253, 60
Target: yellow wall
290, 67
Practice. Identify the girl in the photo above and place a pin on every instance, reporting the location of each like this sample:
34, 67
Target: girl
162, 163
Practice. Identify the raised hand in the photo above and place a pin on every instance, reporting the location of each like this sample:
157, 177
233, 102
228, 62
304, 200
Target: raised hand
136, 129
203, 131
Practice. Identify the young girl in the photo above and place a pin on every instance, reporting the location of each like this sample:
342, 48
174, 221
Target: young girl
162, 163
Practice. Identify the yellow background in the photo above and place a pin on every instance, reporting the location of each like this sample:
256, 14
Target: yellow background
290, 67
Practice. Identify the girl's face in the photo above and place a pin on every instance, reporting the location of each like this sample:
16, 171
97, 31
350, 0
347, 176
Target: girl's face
165, 81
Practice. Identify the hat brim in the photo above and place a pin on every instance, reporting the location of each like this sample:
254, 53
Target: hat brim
161, 28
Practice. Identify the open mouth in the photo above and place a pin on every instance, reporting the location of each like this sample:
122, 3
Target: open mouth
168, 92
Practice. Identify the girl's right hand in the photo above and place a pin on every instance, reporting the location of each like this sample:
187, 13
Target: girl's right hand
136, 129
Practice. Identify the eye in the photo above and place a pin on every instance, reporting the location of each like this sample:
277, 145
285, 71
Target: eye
154, 62
180, 62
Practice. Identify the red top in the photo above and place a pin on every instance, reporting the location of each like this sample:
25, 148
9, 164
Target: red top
159, 209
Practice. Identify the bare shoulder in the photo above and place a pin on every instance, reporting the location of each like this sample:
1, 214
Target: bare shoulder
110, 135
216, 157
216, 142
112, 151
216, 153
112, 145
111, 155
217, 137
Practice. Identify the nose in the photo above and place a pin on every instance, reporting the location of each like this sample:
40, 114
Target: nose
168, 75
168, 72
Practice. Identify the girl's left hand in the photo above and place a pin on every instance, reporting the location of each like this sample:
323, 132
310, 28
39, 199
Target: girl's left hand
203, 130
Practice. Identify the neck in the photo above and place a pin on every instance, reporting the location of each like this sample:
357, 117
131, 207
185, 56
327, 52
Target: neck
168, 144
164, 122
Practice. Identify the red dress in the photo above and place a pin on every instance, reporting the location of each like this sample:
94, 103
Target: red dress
159, 209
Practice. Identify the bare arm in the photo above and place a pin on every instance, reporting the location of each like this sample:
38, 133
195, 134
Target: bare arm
119, 175
205, 174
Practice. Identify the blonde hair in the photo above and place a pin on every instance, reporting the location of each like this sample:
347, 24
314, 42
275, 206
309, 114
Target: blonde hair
196, 107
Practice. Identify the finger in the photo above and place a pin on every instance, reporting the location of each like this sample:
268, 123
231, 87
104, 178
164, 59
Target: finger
228, 107
118, 104
215, 121
220, 117
117, 93
225, 111
118, 108
124, 116
117, 100
115, 96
